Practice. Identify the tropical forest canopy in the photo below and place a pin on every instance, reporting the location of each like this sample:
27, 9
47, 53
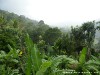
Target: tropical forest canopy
29, 47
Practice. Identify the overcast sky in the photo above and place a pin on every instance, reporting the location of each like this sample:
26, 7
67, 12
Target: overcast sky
55, 12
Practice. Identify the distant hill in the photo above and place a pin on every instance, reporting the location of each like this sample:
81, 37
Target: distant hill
12, 16
26, 23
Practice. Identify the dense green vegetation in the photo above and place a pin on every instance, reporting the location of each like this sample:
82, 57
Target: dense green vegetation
29, 47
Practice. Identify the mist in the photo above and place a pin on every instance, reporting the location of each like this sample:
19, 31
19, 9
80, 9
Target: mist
55, 12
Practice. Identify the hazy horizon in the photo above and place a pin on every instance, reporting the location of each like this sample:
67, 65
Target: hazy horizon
55, 12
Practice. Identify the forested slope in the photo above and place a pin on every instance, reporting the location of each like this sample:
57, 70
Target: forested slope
29, 47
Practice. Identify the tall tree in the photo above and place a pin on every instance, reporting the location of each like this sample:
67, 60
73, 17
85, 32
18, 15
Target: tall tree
89, 31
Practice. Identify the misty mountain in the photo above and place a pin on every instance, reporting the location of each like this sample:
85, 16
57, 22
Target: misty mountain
12, 16
29, 22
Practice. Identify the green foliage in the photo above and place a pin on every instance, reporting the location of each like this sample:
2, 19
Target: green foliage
53, 34
82, 58
89, 32
65, 45
43, 68
49, 52
9, 62
8, 35
33, 57
88, 66
58, 65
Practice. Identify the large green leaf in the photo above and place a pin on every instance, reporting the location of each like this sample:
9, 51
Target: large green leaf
33, 57
43, 68
28, 65
28, 60
36, 58
82, 57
